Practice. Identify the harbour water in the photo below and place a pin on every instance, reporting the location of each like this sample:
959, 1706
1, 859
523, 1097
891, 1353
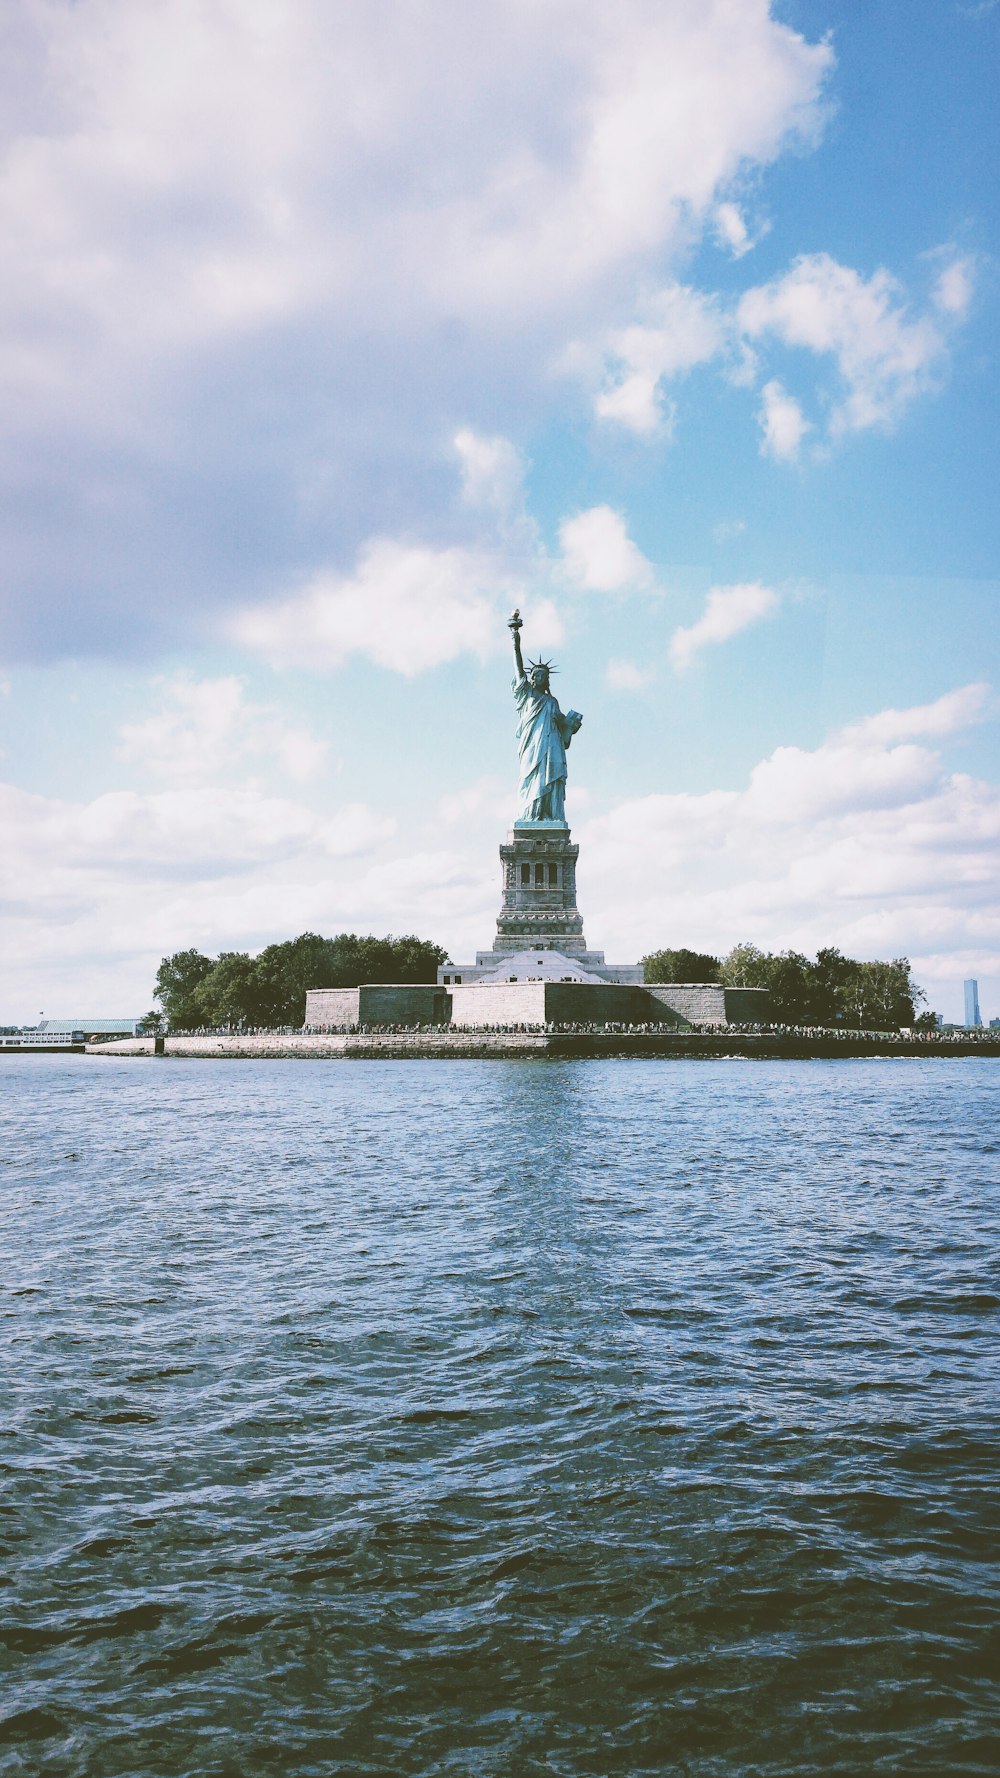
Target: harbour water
499, 1418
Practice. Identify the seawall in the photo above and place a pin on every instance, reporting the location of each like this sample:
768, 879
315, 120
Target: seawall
531, 1001
450, 1044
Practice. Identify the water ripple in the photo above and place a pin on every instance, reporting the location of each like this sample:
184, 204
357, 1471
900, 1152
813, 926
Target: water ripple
496, 1418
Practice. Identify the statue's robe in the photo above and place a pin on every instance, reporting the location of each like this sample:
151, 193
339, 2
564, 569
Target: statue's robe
543, 735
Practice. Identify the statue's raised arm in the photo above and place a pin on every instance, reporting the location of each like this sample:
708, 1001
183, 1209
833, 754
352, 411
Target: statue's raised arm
514, 625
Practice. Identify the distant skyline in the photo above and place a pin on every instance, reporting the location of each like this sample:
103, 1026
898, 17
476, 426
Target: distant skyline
329, 338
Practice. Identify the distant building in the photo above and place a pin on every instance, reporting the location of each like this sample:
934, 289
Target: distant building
65, 1034
89, 1027
972, 1013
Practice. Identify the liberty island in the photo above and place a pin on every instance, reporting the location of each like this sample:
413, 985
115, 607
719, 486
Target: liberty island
539, 969
539, 988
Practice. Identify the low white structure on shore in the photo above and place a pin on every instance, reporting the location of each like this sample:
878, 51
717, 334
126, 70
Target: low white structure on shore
65, 1034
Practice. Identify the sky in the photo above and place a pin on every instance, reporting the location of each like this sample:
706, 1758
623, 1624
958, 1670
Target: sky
329, 335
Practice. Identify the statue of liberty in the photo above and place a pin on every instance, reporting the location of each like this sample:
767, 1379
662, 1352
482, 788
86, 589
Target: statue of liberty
543, 735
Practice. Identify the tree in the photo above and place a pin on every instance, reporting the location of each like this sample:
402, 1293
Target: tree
833, 974
270, 989
832, 990
801, 992
797, 992
746, 967
409, 959
681, 966
352, 959
284, 972
228, 993
178, 980
881, 996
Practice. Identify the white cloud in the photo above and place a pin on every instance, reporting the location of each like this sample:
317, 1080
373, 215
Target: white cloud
203, 179
492, 470
122, 879
206, 727
872, 764
407, 606
665, 114
599, 556
885, 356
731, 230
680, 328
628, 676
782, 423
867, 841
795, 785
953, 291
255, 258
728, 610
947, 715
489, 797
410, 606
544, 628
183, 832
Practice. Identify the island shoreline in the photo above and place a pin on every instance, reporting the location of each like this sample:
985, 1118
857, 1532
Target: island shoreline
480, 1046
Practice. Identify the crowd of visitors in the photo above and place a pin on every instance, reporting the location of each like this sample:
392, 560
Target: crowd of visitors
840, 1033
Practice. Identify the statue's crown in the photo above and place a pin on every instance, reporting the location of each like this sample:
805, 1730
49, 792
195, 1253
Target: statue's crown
550, 666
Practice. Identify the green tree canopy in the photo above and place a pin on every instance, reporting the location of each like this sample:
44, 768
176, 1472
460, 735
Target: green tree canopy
833, 990
228, 994
681, 966
881, 996
178, 980
270, 989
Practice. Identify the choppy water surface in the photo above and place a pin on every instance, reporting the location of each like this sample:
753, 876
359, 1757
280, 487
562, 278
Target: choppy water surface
499, 1418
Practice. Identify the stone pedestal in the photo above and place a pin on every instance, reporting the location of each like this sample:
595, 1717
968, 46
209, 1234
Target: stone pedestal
539, 910
539, 927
